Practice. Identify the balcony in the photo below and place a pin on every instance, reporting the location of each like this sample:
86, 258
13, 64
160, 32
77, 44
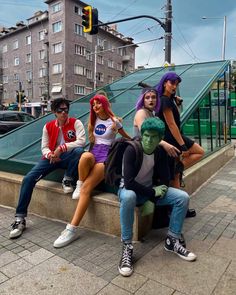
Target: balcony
126, 58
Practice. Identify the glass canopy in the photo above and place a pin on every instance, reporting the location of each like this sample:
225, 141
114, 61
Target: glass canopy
204, 115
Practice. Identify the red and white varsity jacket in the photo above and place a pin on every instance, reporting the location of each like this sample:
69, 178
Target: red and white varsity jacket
73, 135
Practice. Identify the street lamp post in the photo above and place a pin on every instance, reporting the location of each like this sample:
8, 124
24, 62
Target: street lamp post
224, 39
224, 33
96, 50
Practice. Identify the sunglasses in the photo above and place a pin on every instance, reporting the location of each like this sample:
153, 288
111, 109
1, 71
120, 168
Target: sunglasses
60, 110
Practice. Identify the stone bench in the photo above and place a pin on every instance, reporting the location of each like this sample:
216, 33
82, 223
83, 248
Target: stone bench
49, 201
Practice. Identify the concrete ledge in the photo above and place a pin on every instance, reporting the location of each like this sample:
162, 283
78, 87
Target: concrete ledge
195, 176
48, 199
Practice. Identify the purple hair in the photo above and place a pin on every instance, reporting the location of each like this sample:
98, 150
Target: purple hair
140, 102
170, 76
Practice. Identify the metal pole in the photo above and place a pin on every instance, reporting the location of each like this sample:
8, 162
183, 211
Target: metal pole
168, 31
224, 39
20, 95
95, 68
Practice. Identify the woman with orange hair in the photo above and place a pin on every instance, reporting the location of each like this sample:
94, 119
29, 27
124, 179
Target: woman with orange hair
103, 127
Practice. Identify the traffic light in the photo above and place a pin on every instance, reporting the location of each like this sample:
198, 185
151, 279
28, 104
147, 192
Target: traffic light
90, 20
94, 21
87, 19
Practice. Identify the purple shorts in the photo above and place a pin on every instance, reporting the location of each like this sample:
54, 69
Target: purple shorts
100, 152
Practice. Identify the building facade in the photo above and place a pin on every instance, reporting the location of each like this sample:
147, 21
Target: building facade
51, 56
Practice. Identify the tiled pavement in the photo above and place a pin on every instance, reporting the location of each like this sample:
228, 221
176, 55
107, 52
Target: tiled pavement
30, 264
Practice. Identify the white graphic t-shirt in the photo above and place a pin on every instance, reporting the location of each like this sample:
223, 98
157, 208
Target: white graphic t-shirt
103, 131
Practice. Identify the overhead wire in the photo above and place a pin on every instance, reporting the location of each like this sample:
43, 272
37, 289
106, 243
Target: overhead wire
126, 7
194, 56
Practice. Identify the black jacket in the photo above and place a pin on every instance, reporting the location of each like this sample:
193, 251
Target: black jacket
132, 166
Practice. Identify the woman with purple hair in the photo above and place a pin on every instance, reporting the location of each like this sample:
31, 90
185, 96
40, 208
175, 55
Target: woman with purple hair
191, 152
148, 106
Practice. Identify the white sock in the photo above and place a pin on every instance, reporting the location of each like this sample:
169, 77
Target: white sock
72, 227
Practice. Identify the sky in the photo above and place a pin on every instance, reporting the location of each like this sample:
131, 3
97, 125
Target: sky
193, 39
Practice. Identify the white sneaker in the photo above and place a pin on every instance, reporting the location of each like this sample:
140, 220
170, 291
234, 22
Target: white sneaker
17, 228
67, 236
67, 186
76, 193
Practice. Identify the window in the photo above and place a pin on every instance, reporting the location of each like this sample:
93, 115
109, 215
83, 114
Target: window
11, 117
57, 47
79, 89
15, 44
28, 75
100, 77
109, 45
42, 90
89, 74
4, 48
29, 92
41, 54
78, 10
56, 7
42, 72
89, 56
16, 77
41, 35
100, 59
79, 70
16, 61
120, 51
5, 63
110, 79
110, 63
5, 79
79, 49
28, 40
28, 57
119, 67
99, 42
57, 68
25, 117
57, 27
79, 30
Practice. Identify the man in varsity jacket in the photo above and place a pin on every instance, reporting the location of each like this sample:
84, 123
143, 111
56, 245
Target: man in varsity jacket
62, 144
145, 183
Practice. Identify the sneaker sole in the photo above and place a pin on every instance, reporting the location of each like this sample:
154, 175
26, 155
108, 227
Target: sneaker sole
68, 191
183, 257
125, 274
15, 236
75, 197
66, 243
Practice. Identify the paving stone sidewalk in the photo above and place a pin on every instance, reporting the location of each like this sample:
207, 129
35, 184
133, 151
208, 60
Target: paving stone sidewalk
30, 264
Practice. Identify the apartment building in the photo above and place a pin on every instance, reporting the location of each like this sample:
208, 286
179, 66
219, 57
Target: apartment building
50, 56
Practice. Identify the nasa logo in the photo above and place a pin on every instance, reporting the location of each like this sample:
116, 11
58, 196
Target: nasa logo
100, 129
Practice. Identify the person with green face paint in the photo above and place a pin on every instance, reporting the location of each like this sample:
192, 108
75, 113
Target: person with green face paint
146, 185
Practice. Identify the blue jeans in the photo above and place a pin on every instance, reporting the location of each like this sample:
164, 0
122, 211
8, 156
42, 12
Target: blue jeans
176, 198
69, 161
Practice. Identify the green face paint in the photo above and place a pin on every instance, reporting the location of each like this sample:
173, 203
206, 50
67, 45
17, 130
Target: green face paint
150, 140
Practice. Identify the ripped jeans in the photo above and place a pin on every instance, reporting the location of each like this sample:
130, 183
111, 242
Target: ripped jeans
176, 198
69, 161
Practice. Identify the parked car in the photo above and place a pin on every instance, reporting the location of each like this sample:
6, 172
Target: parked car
10, 120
